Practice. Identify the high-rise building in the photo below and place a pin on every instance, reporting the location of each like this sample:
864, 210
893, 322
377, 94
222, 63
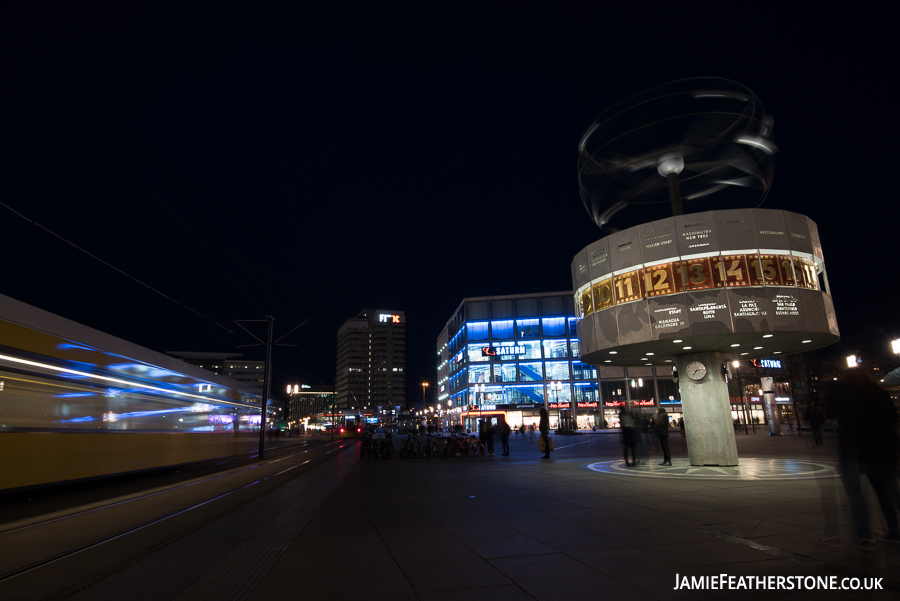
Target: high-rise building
371, 362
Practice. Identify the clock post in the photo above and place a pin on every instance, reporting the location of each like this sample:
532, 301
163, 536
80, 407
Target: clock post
707, 410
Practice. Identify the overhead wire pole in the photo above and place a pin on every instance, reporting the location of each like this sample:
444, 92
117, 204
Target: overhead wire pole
267, 377
270, 326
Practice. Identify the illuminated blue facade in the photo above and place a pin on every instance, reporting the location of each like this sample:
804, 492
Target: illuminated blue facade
511, 354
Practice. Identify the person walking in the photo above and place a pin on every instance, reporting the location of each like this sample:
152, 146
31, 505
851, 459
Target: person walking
661, 429
867, 446
504, 434
630, 434
814, 417
544, 427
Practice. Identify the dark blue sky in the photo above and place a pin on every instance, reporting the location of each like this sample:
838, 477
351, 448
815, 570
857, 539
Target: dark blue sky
307, 163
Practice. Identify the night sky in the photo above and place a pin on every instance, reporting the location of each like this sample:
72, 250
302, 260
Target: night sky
309, 163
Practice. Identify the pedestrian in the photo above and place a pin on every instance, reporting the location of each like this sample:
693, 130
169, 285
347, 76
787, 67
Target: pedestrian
504, 434
482, 433
544, 427
661, 429
814, 418
867, 445
489, 435
630, 434
522, 430
681, 425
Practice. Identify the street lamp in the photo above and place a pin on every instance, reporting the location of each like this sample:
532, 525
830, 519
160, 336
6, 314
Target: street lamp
555, 385
424, 386
737, 367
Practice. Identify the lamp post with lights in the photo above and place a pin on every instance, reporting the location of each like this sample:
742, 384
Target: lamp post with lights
737, 368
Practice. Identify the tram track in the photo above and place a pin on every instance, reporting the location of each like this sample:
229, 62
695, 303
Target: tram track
230, 472
46, 529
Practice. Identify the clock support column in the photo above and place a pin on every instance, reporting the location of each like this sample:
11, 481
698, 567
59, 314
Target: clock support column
707, 410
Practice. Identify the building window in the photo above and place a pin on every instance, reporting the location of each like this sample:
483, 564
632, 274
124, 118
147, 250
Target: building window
526, 395
475, 354
583, 371
531, 372
477, 330
556, 349
532, 349
505, 372
576, 347
587, 392
479, 374
557, 370
502, 329
554, 326
528, 328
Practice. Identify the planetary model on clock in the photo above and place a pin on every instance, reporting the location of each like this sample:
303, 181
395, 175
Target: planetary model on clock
713, 277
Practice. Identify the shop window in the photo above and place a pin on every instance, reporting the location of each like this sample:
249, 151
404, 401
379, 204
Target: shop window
587, 392
531, 372
668, 390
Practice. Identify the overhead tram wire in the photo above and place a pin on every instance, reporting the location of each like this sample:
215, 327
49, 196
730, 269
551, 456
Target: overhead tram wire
111, 266
71, 97
161, 165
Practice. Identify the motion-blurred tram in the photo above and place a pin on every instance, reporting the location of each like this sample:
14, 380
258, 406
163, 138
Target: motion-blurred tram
76, 403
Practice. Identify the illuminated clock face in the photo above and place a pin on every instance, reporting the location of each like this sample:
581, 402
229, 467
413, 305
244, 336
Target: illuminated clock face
696, 370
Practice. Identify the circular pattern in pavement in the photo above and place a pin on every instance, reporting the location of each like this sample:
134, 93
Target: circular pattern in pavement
749, 469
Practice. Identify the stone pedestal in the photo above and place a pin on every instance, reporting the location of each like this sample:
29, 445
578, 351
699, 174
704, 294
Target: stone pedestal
707, 411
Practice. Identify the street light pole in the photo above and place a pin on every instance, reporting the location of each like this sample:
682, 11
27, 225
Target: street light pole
737, 368
270, 325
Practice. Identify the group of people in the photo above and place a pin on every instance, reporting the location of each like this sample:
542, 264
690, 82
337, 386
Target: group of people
487, 430
634, 426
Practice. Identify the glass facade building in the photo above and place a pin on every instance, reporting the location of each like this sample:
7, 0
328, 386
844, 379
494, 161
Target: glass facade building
512, 355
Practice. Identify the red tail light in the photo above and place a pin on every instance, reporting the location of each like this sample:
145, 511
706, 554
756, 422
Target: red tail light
342, 430
358, 430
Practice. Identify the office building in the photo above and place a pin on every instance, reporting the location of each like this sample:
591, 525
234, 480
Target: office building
371, 363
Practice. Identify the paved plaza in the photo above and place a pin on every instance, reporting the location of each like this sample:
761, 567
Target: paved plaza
578, 526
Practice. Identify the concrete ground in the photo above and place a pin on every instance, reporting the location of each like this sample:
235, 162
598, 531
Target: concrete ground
516, 527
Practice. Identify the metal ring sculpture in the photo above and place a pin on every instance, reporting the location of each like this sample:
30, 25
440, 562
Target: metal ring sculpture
717, 127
